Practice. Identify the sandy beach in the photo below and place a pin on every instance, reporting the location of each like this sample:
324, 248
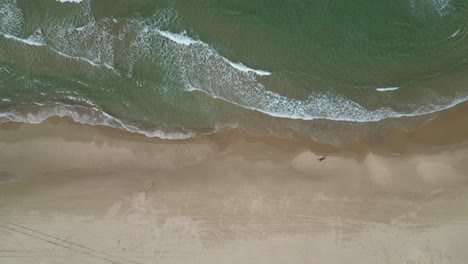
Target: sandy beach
74, 193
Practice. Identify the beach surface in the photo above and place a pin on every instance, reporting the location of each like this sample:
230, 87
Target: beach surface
74, 193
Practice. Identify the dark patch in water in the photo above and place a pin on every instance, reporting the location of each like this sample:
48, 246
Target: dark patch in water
7, 176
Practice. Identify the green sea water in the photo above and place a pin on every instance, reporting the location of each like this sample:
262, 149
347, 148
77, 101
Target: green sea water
171, 68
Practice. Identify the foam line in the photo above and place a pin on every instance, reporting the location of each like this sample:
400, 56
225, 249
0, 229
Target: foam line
70, 1
182, 39
385, 89
185, 40
93, 117
28, 41
93, 63
243, 68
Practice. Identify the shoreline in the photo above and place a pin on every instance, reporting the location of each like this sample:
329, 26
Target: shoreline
425, 129
341, 133
93, 194
219, 132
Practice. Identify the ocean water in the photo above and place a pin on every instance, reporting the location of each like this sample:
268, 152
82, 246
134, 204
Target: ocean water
179, 68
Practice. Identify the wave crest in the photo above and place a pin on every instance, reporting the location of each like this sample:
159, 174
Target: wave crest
89, 116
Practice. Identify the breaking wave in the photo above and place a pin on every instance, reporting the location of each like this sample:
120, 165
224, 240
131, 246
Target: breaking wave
86, 115
385, 89
203, 69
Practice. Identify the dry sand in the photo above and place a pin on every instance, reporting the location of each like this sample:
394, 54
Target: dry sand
73, 193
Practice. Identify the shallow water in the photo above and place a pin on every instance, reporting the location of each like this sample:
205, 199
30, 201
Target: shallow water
197, 66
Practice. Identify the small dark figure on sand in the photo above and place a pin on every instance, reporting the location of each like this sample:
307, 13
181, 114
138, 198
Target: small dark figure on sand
322, 158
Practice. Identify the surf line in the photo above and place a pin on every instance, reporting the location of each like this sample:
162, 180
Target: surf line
185, 40
385, 89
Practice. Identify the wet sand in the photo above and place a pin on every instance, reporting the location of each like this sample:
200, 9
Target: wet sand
73, 193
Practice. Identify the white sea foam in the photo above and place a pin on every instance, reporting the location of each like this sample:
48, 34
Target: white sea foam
35, 40
87, 26
455, 33
64, 40
384, 89
93, 117
92, 43
441, 7
70, 1
243, 68
330, 108
283, 107
203, 69
80, 100
11, 17
185, 40
182, 38
93, 63
29, 41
